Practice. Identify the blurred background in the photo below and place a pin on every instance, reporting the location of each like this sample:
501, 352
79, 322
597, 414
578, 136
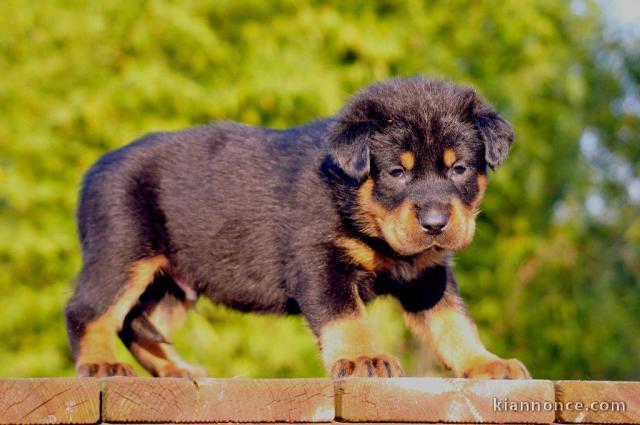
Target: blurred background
553, 275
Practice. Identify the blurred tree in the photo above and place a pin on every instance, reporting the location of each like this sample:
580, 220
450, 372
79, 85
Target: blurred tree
553, 275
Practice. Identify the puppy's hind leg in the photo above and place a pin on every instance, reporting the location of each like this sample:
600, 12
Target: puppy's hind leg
150, 325
104, 296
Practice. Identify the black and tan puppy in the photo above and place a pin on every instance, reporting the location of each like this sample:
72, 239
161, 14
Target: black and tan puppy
316, 220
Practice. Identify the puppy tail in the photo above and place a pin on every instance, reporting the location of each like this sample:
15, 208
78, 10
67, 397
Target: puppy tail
140, 328
137, 326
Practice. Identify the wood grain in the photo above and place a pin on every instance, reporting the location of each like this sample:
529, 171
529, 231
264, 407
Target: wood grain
442, 400
49, 401
218, 400
602, 402
253, 401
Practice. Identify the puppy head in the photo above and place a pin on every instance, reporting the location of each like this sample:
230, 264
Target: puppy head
418, 150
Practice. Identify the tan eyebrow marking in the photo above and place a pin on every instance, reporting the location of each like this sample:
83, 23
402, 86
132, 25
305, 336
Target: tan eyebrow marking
408, 160
449, 157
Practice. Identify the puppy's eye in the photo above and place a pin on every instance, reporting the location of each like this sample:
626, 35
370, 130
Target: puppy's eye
459, 169
396, 172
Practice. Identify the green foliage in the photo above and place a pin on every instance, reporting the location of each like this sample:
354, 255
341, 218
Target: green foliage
547, 280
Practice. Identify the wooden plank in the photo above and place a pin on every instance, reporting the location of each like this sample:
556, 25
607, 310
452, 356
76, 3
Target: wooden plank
444, 400
599, 402
49, 401
217, 400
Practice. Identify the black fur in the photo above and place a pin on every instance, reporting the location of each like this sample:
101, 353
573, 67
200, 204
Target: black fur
250, 216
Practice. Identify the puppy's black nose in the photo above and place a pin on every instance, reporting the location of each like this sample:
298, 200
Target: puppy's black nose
433, 222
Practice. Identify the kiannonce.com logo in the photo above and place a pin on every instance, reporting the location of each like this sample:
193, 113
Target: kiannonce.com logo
506, 405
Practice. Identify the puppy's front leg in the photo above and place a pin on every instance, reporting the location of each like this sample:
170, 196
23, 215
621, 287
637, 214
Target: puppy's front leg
453, 336
338, 318
348, 349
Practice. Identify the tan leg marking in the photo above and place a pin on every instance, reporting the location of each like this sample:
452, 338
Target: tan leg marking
97, 344
348, 349
346, 338
449, 157
408, 160
162, 359
451, 334
453, 337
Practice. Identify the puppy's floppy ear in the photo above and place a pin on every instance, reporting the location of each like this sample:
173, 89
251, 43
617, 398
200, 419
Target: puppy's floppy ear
496, 132
349, 149
349, 134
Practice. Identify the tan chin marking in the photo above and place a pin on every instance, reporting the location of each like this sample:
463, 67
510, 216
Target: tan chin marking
408, 160
449, 157
429, 259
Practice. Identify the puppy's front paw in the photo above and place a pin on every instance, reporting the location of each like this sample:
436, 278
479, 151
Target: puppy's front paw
102, 370
498, 369
381, 366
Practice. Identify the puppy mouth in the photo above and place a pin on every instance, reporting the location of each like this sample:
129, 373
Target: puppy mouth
409, 242
435, 247
404, 252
